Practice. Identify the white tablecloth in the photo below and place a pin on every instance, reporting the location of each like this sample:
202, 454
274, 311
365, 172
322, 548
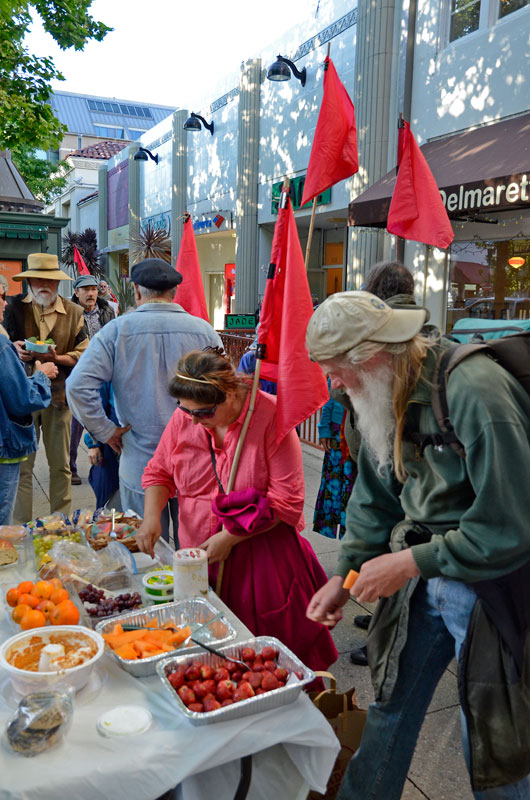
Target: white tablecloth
295, 748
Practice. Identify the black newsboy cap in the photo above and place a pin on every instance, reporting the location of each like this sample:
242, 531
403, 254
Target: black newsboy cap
153, 273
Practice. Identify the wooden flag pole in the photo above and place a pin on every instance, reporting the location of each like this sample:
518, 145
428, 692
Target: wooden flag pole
313, 212
244, 429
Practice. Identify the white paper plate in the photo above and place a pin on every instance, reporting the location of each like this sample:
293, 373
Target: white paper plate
124, 721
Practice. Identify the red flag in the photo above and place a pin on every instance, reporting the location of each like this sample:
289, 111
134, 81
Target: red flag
334, 151
287, 306
416, 209
80, 264
190, 293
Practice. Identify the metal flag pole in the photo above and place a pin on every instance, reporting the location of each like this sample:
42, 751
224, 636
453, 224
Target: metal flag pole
313, 212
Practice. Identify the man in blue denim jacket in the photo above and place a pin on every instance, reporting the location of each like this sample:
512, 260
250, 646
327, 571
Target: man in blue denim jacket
138, 353
20, 396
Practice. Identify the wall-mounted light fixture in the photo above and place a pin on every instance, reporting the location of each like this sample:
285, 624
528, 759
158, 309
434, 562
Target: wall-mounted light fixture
142, 154
281, 71
193, 123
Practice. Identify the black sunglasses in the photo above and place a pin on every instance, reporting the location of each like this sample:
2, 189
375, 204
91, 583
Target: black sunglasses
200, 413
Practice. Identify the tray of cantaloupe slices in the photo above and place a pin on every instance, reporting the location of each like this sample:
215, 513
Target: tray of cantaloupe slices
161, 631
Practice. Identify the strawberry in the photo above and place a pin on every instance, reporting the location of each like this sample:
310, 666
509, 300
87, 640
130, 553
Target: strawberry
254, 678
200, 689
236, 676
187, 695
176, 679
192, 673
225, 690
243, 691
231, 666
268, 654
281, 673
260, 691
257, 666
269, 682
211, 705
248, 654
195, 707
227, 703
206, 672
221, 674
270, 665
210, 686
258, 660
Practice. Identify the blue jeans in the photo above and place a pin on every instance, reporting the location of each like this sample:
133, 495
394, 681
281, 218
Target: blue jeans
439, 615
9, 474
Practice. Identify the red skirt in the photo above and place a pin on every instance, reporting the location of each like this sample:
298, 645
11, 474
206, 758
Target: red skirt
268, 582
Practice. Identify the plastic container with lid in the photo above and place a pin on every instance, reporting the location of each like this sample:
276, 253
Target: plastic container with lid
158, 585
190, 573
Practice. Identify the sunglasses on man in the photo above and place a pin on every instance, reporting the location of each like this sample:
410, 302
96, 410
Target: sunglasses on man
200, 413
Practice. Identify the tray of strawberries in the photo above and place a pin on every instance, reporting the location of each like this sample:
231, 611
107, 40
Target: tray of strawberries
209, 688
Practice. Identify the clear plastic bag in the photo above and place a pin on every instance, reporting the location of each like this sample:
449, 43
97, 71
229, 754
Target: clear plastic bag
76, 559
40, 722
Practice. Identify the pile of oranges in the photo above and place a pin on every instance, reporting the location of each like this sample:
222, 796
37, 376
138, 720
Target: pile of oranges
45, 601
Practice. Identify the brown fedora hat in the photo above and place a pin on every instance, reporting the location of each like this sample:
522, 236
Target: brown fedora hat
42, 265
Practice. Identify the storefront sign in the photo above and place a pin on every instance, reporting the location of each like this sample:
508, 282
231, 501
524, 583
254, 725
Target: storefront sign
214, 221
240, 321
159, 222
296, 190
493, 195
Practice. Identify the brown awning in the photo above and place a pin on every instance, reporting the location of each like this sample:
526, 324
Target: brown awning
476, 172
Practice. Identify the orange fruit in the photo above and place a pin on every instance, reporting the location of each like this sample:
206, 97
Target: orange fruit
66, 613
43, 589
56, 583
59, 596
28, 599
12, 597
46, 606
25, 587
32, 619
18, 612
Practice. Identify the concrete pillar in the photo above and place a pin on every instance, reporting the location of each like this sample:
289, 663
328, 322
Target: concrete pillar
179, 179
374, 59
246, 214
134, 198
103, 231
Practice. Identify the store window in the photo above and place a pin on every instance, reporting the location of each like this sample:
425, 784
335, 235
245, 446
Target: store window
466, 16
488, 280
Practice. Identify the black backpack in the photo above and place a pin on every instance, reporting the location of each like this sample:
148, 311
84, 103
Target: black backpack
512, 352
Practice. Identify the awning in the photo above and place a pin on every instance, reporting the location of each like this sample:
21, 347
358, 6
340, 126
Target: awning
480, 171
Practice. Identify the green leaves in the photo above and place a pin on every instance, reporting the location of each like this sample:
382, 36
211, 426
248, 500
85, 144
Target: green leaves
26, 116
44, 180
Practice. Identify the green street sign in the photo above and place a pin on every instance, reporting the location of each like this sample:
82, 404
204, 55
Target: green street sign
296, 190
240, 321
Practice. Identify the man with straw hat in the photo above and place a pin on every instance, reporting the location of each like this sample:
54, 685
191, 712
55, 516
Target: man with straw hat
44, 314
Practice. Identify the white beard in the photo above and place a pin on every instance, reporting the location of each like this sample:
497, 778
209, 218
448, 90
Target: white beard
42, 298
374, 414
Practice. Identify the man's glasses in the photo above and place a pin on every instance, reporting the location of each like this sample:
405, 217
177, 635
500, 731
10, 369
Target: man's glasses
200, 413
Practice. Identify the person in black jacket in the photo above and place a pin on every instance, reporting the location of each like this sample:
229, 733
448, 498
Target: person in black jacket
96, 312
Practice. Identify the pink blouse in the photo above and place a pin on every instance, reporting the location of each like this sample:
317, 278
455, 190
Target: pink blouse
182, 462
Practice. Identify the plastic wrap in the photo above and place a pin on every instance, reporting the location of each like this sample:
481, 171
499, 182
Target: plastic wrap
40, 722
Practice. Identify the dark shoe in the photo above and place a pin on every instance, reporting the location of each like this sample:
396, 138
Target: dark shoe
76, 480
358, 656
362, 621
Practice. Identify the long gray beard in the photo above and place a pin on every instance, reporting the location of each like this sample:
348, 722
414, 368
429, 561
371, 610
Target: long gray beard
374, 415
42, 300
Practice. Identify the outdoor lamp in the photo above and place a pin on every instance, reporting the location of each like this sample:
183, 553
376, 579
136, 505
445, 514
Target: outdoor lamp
193, 123
281, 71
142, 154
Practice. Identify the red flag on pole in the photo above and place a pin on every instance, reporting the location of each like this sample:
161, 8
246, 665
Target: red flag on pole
80, 264
334, 151
190, 293
287, 306
416, 209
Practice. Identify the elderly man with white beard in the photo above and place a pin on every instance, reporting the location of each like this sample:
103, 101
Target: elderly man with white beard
434, 537
44, 314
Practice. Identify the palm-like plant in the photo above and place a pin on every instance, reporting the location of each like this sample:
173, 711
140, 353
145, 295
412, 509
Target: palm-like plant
123, 290
151, 242
87, 244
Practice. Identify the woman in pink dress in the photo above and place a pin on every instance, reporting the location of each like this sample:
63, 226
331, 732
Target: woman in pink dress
270, 572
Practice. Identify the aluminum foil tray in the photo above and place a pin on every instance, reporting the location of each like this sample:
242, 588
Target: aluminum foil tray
184, 612
253, 705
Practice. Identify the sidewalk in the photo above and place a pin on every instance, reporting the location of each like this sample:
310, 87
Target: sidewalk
438, 771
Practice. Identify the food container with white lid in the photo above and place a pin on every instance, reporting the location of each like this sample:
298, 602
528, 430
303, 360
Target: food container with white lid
158, 584
190, 573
